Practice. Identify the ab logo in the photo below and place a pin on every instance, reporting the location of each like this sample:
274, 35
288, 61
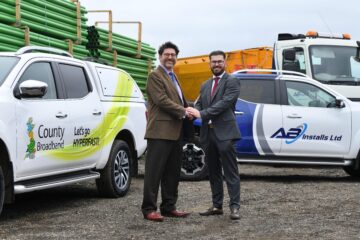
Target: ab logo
292, 134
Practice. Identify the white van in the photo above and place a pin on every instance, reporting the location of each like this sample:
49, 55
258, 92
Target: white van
64, 120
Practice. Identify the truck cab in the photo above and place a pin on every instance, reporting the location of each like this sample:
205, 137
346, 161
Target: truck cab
332, 59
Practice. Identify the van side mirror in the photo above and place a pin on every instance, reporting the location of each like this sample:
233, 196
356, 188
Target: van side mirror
339, 103
289, 54
357, 57
31, 89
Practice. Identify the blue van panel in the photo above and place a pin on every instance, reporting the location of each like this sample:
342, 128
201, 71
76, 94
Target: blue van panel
246, 144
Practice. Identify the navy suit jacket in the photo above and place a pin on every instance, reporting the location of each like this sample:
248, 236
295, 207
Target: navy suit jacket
219, 108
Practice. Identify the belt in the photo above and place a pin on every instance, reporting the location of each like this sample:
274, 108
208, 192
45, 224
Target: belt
210, 125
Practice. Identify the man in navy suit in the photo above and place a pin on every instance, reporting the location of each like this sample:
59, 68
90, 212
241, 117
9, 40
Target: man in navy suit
219, 131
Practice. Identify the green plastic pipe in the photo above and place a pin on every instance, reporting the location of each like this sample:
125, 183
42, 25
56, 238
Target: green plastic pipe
124, 50
39, 28
120, 42
34, 36
6, 18
54, 7
119, 46
25, 15
105, 33
129, 42
39, 11
52, 15
11, 41
10, 30
69, 5
36, 39
126, 65
7, 48
127, 60
50, 31
118, 35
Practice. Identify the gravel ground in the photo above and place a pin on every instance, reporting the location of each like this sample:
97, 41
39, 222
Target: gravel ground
276, 203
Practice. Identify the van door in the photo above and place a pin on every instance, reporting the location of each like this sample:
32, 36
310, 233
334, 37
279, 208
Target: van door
258, 114
41, 123
85, 116
313, 126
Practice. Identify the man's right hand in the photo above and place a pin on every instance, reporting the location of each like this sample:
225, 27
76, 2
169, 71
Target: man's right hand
193, 112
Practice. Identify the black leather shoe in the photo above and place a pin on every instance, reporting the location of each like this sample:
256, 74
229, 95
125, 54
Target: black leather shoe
234, 214
212, 211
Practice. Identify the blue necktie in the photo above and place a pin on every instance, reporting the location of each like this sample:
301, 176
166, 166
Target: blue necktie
172, 76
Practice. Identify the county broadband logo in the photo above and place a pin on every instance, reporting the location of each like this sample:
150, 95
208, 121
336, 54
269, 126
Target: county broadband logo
292, 135
30, 151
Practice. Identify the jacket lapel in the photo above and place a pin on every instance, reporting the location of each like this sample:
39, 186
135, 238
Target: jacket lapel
170, 82
207, 92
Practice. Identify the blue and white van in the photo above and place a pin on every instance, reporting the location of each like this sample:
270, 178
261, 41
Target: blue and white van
288, 118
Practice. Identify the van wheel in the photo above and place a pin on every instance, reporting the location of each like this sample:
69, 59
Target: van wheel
193, 165
352, 171
2, 189
115, 178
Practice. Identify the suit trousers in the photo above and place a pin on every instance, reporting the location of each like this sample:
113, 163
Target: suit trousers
221, 155
162, 167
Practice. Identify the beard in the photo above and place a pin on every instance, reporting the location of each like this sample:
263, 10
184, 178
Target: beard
169, 64
218, 70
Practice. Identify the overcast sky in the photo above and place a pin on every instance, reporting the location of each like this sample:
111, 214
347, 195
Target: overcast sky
200, 26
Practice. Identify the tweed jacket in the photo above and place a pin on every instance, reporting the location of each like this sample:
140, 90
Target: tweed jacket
166, 111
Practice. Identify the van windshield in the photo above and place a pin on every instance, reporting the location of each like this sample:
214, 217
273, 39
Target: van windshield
6, 64
335, 65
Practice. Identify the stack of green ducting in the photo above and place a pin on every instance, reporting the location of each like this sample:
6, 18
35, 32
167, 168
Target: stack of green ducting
55, 23
13, 38
56, 18
136, 63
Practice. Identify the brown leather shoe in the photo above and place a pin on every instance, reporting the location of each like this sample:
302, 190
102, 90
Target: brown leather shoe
212, 211
175, 214
154, 216
234, 214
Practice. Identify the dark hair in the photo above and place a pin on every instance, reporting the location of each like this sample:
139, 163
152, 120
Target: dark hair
216, 53
168, 45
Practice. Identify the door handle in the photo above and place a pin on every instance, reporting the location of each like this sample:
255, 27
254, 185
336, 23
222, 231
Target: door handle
239, 113
96, 113
294, 116
61, 115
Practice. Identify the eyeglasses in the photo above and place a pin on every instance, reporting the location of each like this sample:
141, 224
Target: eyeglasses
217, 62
169, 54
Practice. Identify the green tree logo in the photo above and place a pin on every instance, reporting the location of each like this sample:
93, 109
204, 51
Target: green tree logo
30, 151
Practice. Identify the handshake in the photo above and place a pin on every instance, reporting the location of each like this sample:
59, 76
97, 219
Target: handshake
191, 113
